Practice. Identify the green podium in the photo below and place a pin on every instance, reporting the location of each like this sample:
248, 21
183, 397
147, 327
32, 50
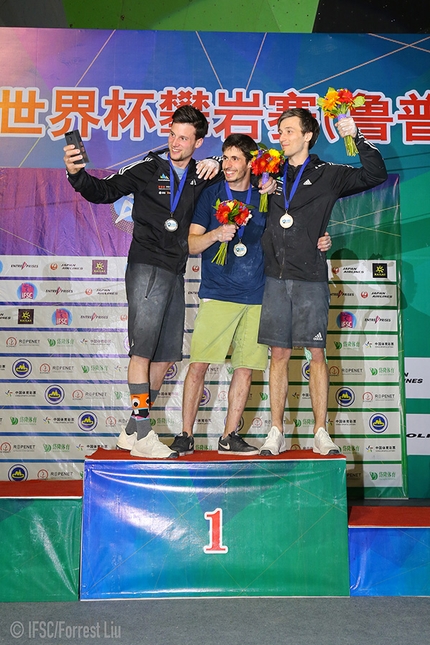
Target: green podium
210, 526
40, 530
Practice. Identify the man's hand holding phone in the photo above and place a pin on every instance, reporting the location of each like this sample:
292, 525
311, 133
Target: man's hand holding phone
75, 155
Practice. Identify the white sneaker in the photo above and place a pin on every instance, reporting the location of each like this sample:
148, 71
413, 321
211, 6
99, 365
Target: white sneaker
274, 444
152, 448
323, 445
126, 441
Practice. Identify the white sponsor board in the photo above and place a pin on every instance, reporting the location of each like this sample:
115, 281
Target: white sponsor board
64, 362
65, 342
374, 475
48, 317
191, 292
347, 423
362, 270
45, 266
345, 370
26, 292
366, 345
355, 449
53, 448
360, 295
57, 422
64, 394
418, 434
193, 268
417, 378
64, 368
19, 471
367, 320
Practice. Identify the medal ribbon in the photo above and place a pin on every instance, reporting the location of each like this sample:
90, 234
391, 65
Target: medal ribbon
295, 184
241, 229
175, 197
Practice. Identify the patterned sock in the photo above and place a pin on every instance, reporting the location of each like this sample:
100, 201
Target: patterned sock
152, 396
139, 421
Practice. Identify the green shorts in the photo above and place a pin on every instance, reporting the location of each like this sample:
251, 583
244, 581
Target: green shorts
220, 325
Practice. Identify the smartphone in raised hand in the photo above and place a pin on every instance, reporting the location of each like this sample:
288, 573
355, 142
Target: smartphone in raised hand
74, 138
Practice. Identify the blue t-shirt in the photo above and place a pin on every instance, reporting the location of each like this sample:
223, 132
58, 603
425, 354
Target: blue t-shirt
240, 280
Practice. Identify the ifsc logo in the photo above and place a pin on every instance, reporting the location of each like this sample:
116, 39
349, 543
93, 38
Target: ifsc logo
87, 421
345, 397
27, 291
346, 320
18, 473
54, 394
378, 423
21, 368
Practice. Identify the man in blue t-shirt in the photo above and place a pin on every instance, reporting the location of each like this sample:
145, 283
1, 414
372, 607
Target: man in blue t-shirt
230, 297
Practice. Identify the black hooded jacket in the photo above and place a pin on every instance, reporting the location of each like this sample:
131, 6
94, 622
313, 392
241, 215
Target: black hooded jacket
148, 180
292, 254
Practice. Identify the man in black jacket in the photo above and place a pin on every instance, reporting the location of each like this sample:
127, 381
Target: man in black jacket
166, 186
296, 297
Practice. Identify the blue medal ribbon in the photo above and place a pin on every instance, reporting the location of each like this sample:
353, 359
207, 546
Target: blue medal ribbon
241, 229
295, 184
175, 197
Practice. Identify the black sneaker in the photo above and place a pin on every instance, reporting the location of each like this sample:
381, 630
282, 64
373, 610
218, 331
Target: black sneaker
183, 444
233, 444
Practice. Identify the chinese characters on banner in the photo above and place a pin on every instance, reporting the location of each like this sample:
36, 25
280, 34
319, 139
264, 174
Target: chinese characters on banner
134, 113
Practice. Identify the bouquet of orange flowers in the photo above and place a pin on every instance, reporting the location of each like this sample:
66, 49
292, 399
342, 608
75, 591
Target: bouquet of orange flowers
230, 212
338, 103
265, 162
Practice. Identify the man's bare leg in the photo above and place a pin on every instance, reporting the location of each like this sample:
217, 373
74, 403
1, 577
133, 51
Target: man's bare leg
278, 384
137, 436
231, 442
319, 386
278, 388
319, 389
138, 369
192, 394
157, 372
238, 394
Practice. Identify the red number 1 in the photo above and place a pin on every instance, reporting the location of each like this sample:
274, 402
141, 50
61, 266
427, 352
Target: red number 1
215, 532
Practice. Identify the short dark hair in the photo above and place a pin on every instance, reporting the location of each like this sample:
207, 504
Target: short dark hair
193, 116
308, 122
241, 141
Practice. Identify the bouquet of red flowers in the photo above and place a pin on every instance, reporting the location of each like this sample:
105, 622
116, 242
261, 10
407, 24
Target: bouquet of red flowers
265, 161
230, 212
338, 103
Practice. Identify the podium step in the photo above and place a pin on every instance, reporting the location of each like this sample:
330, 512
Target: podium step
40, 530
207, 525
389, 550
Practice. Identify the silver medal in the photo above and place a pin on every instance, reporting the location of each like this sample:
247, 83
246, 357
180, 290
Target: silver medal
171, 225
240, 250
286, 220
